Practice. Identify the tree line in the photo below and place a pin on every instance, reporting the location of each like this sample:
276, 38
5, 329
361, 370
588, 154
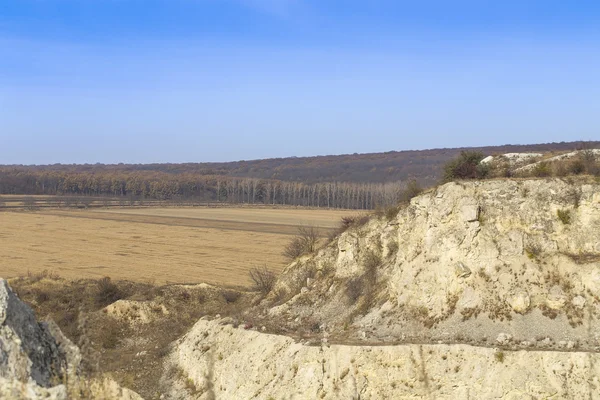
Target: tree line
424, 165
165, 186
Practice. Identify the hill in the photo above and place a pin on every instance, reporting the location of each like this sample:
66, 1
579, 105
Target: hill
423, 165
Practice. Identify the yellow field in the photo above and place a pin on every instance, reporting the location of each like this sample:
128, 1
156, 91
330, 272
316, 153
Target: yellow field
216, 245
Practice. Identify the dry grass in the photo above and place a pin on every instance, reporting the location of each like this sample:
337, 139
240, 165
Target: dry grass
162, 249
106, 341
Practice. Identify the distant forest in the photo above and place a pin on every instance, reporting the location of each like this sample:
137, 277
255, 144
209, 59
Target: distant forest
360, 181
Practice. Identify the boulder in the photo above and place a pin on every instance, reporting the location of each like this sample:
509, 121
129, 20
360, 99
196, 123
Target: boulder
27, 348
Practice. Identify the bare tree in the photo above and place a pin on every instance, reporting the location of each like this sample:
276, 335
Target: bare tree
305, 242
263, 278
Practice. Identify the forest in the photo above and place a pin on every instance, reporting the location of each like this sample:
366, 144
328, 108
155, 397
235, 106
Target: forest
360, 181
162, 186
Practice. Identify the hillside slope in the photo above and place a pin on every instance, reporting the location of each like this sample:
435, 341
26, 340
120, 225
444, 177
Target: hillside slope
484, 289
423, 165
468, 261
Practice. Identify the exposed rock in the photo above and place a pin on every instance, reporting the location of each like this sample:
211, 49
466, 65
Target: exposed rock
504, 339
38, 362
579, 302
424, 291
458, 274
135, 312
470, 212
248, 364
27, 348
462, 271
520, 302
556, 298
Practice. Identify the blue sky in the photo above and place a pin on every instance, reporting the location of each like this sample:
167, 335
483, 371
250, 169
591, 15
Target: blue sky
85, 81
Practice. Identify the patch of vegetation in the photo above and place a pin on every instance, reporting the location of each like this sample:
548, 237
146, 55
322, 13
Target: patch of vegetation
105, 339
305, 242
371, 262
468, 313
45, 274
412, 189
390, 212
573, 196
484, 275
533, 251
548, 312
230, 295
354, 221
564, 216
497, 309
542, 170
354, 289
361, 290
347, 222
392, 247
499, 356
263, 279
110, 333
466, 166
583, 257
108, 292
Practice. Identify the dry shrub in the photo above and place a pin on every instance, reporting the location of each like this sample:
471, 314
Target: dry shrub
392, 247
346, 223
371, 263
263, 278
584, 258
576, 167
45, 274
354, 289
108, 292
533, 251
41, 296
392, 211
542, 170
466, 166
564, 216
412, 189
354, 221
305, 242
364, 284
230, 296
109, 334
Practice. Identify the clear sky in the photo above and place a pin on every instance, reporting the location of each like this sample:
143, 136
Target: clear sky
85, 81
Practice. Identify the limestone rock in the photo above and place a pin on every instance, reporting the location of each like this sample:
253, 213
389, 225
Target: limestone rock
504, 339
257, 365
27, 348
556, 298
470, 212
462, 271
579, 302
520, 302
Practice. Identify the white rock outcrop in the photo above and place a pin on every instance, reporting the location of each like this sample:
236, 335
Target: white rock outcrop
476, 290
224, 362
463, 262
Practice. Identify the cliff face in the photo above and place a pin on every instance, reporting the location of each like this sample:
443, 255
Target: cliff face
223, 362
482, 289
465, 262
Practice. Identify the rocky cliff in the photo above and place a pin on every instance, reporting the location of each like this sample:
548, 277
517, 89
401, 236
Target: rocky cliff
478, 289
466, 262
